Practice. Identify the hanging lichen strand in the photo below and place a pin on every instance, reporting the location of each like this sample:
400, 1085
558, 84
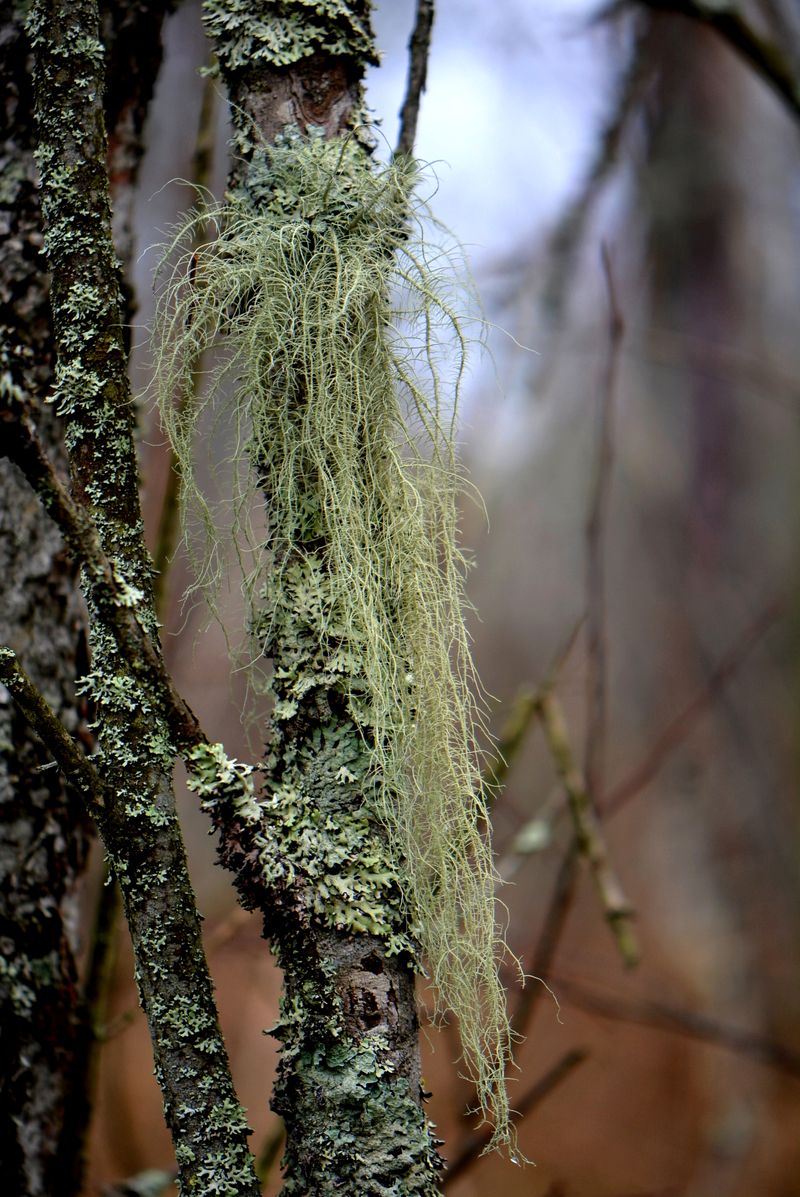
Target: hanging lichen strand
356, 594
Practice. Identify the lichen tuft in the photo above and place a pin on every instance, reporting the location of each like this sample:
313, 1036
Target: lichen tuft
332, 328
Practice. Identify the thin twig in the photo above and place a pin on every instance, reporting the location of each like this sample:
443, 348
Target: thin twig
591, 843
662, 1016
418, 49
270, 1152
566, 241
512, 737
541, 958
596, 674
168, 524
765, 56
518, 724
678, 728
96, 998
533, 1097
78, 771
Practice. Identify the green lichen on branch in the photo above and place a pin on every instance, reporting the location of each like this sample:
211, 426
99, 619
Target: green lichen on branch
348, 1073
248, 35
135, 758
331, 318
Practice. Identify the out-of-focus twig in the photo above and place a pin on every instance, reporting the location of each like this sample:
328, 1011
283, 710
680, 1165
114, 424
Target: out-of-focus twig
534, 1096
520, 719
588, 833
96, 993
596, 673
567, 238
662, 1016
270, 1152
418, 50
167, 534
538, 965
684, 722
512, 737
766, 57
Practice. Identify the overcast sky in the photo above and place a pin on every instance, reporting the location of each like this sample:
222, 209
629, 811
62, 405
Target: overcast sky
515, 90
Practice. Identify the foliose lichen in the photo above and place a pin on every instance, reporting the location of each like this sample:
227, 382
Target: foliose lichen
248, 35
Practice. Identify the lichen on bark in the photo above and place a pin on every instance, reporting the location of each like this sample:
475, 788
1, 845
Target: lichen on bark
372, 824
135, 756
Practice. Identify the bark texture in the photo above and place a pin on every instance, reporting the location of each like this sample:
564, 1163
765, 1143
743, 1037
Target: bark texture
44, 835
139, 825
348, 1087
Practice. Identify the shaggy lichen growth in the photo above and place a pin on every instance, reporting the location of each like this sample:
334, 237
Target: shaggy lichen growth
326, 313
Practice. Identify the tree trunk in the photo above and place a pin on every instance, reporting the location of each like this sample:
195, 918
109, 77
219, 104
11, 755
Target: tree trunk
349, 1077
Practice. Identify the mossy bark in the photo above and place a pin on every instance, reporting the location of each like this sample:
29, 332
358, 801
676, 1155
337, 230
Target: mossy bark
44, 834
139, 827
349, 1084
45, 1032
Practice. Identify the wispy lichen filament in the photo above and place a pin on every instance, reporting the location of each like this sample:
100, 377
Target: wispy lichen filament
328, 317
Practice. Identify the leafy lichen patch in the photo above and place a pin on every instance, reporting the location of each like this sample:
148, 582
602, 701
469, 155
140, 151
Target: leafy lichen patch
248, 35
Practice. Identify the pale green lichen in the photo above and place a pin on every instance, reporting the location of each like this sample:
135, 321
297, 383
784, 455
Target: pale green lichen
363, 1126
24, 978
344, 418
215, 777
248, 34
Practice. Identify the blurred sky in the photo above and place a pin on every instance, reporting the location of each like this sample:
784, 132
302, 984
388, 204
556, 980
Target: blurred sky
515, 91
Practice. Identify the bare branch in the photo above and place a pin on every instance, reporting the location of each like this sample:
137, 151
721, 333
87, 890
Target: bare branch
566, 240
77, 769
512, 737
681, 726
765, 56
533, 1097
418, 49
552, 929
589, 836
665, 1017
596, 678
515, 730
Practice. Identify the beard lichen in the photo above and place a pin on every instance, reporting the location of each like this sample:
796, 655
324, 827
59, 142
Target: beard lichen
325, 311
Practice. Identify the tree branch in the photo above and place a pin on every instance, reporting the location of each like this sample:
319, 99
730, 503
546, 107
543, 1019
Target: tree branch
596, 680
418, 49
765, 57
21, 444
476, 1145
683, 723
567, 238
77, 769
140, 826
664, 1017
589, 836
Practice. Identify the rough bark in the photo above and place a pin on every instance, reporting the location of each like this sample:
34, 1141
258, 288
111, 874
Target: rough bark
348, 1087
139, 825
44, 834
